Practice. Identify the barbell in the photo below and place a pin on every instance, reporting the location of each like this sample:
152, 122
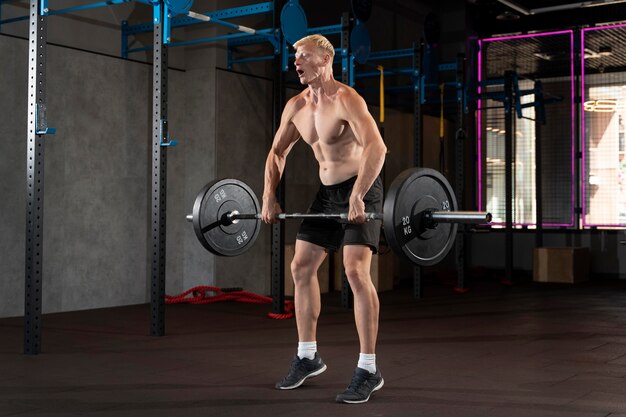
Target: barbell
420, 216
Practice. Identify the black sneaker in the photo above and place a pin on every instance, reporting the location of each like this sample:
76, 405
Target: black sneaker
363, 384
300, 370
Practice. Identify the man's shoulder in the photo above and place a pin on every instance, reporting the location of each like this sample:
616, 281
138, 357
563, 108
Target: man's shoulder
296, 102
299, 99
349, 97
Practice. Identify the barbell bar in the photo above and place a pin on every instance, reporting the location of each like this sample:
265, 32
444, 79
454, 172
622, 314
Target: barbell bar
420, 216
470, 217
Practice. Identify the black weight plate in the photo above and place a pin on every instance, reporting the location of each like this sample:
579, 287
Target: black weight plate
214, 201
410, 194
362, 9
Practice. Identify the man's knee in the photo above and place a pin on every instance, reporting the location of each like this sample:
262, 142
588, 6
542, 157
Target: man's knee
357, 272
358, 275
304, 267
357, 261
300, 266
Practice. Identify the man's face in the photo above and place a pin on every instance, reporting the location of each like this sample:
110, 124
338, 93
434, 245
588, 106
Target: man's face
309, 62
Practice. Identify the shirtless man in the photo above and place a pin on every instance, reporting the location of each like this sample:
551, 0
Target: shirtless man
334, 120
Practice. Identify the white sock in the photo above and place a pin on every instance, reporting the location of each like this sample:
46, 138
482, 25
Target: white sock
307, 350
367, 361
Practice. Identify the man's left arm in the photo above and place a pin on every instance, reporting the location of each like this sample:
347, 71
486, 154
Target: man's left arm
366, 131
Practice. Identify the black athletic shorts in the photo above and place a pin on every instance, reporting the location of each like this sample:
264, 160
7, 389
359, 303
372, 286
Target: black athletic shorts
331, 234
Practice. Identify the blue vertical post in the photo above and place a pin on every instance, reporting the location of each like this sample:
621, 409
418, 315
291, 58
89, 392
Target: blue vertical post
37, 127
124, 39
158, 200
284, 54
229, 58
351, 70
345, 48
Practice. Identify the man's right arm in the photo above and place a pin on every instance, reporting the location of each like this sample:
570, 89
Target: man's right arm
286, 136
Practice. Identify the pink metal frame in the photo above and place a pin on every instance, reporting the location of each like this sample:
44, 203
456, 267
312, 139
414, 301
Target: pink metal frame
582, 122
481, 42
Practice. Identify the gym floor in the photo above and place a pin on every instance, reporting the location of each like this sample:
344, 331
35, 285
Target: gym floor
526, 350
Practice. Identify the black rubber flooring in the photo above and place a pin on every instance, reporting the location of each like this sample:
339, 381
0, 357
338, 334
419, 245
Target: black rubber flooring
526, 350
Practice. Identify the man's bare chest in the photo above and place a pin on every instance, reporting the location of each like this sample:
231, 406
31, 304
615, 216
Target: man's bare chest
319, 123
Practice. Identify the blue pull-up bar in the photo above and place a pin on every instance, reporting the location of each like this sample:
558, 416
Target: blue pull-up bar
174, 7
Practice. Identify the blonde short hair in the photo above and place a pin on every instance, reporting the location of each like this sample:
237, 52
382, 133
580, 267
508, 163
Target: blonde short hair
319, 41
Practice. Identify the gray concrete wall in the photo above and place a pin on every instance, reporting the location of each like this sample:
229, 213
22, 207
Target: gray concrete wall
13, 85
96, 180
198, 148
243, 134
